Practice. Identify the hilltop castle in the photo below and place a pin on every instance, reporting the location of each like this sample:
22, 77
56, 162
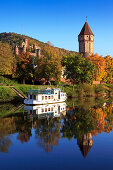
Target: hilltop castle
34, 50
86, 38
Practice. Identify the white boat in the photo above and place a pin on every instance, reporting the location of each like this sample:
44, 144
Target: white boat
48, 110
44, 96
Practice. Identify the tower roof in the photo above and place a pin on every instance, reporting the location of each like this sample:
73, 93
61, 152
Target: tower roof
86, 30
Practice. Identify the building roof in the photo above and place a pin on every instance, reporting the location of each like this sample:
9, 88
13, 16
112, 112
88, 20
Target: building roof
86, 30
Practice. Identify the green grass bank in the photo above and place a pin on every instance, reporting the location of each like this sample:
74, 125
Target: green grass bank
79, 91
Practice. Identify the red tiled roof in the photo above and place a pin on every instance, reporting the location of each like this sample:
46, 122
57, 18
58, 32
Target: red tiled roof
86, 30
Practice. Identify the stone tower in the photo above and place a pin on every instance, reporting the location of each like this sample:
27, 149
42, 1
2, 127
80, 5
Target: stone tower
86, 38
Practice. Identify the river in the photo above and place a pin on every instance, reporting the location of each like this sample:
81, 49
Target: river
72, 135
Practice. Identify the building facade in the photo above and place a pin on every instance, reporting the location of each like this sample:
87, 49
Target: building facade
86, 39
34, 50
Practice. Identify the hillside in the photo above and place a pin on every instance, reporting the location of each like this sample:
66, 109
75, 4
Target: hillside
17, 39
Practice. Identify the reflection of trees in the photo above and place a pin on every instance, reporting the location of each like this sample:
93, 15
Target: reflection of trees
23, 127
48, 133
83, 123
6, 128
5, 144
14, 124
77, 124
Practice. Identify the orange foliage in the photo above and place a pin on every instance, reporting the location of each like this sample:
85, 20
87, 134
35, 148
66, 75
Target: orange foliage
99, 67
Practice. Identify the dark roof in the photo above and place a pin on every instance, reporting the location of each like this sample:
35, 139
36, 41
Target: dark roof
86, 30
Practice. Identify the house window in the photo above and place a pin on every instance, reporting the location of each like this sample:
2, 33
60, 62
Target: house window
49, 109
45, 97
49, 97
42, 97
30, 96
42, 109
45, 109
30, 111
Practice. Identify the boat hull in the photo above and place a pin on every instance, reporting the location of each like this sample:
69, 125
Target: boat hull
35, 102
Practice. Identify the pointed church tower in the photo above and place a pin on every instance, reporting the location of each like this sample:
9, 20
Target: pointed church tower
86, 38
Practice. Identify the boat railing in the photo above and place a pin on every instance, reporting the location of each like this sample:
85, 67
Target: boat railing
41, 91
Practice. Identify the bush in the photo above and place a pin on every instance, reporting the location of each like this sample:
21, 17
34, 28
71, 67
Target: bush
85, 90
7, 82
99, 89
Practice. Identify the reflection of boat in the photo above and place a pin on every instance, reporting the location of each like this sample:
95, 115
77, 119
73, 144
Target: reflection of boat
49, 110
45, 96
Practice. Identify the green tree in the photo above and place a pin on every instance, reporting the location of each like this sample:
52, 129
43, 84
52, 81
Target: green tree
77, 69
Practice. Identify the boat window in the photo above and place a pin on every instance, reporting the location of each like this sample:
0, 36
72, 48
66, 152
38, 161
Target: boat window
42, 97
34, 111
49, 97
34, 97
51, 108
30, 96
45, 109
42, 109
48, 109
45, 97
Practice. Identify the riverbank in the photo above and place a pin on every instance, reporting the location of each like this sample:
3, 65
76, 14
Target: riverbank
79, 91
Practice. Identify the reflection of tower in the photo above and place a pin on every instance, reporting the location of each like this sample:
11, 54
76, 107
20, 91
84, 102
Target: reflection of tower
86, 38
85, 144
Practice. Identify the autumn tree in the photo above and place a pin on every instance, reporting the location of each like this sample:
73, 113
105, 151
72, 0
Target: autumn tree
7, 60
49, 65
109, 69
99, 67
24, 67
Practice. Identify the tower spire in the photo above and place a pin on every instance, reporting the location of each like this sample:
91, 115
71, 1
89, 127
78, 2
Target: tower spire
86, 18
86, 38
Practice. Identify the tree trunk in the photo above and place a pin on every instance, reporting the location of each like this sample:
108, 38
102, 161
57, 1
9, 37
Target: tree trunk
73, 87
23, 81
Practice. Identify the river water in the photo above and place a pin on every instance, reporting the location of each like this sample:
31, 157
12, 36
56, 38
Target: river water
72, 135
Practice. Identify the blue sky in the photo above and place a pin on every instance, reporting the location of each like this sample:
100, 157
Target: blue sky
60, 21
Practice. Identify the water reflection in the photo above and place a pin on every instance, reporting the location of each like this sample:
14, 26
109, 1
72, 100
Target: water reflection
48, 123
55, 122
